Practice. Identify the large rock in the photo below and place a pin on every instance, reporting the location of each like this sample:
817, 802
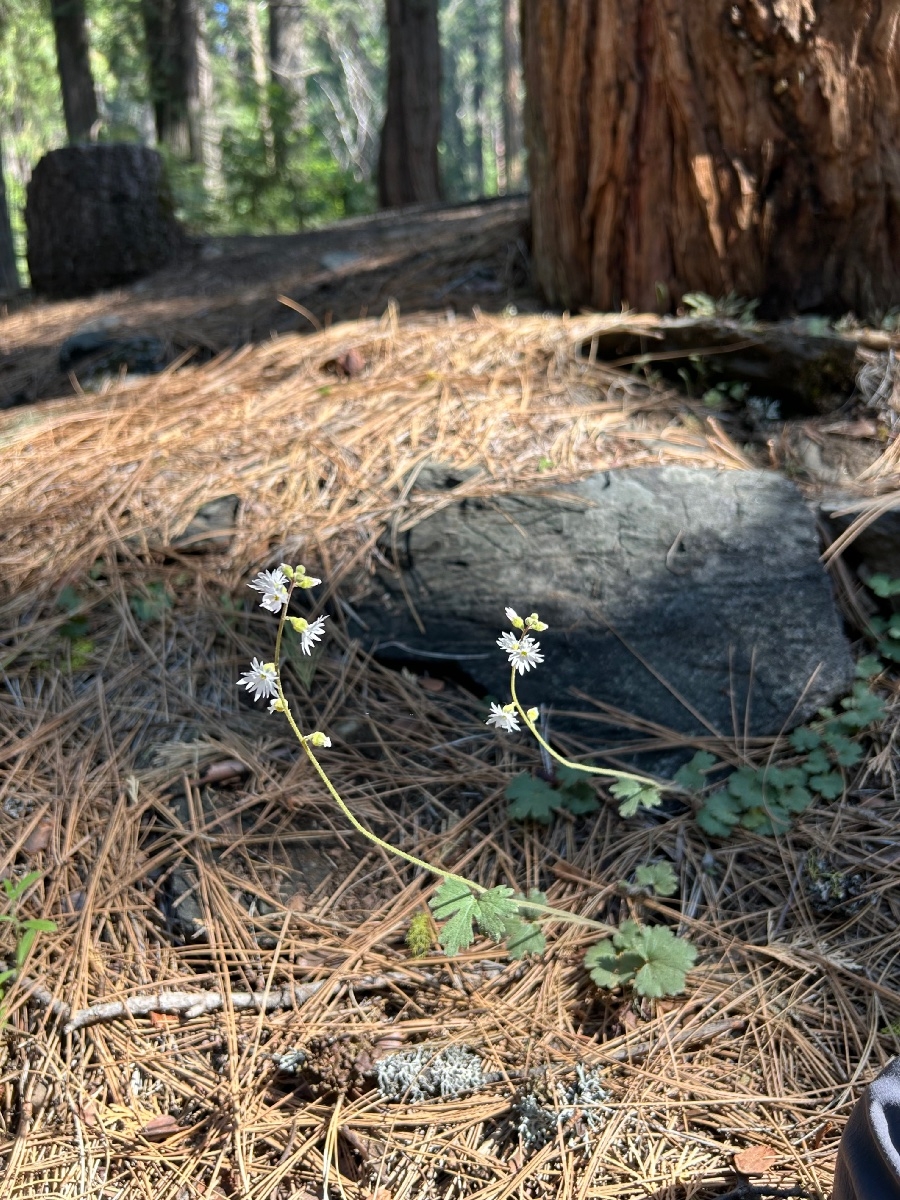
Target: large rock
667, 591
97, 217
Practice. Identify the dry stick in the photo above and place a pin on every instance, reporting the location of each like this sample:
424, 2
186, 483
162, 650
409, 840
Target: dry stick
197, 1004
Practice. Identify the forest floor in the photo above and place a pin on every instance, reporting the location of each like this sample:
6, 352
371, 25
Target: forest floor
184, 845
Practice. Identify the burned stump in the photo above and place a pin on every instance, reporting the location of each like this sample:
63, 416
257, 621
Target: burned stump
98, 217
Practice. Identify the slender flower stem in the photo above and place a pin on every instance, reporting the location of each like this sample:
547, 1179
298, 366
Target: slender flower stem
335, 794
566, 762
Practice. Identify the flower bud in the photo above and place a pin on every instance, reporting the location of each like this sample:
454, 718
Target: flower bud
287, 570
307, 581
319, 739
299, 624
533, 713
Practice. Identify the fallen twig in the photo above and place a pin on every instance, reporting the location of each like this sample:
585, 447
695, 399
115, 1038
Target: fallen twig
196, 1004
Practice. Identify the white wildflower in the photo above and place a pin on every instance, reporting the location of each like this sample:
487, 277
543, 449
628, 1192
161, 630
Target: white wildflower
311, 634
504, 718
261, 679
523, 652
273, 585
514, 619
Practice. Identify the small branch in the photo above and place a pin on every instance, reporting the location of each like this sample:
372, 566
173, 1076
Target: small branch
197, 1004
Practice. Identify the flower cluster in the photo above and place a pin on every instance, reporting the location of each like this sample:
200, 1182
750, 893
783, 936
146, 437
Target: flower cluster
523, 653
275, 588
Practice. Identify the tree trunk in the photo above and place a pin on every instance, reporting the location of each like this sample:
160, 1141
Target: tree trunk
408, 160
479, 50
9, 275
73, 61
261, 80
173, 30
287, 62
513, 139
726, 145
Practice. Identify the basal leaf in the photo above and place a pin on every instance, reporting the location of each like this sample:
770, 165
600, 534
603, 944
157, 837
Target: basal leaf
846, 753
532, 799
452, 896
817, 763
657, 876
884, 586
606, 969
578, 799
868, 667
634, 794
692, 775
667, 960
493, 909
805, 738
830, 786
795, 799
524, 937
745, 785
719, 814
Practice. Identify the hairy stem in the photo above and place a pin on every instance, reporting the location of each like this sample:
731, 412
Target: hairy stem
567, 762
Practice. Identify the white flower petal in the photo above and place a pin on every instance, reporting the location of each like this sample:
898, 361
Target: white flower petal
261, 679
312, 633
507, 721
273, 585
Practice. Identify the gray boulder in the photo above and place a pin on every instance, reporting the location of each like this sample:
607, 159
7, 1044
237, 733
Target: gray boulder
692, 599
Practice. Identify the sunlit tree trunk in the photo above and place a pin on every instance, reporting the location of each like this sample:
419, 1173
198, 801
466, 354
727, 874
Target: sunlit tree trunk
408, 160
173, 30
723, 145
513, 138
73, 62
9, 275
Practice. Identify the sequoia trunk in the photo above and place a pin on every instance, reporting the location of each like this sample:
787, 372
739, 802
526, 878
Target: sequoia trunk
73, 62
748, 146
512, 94
408, 160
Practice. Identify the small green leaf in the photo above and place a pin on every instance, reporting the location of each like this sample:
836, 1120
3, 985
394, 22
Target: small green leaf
805, 738
817, 763
845, 752
69, 600
830, 786
532, 799
15, 888
26, 941
795, 799
454, 903
692, 775
658, 877
5, 976
868, 667
884, 586
767, 821
634, 794
719, 815
667, 960
493, 909
745, 785
578, 799
39, 924
607, 967
524, 937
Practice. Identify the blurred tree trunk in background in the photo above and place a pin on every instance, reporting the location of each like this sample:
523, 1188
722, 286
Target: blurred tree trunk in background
9, 275
174, 56
287, 62
73, 61
751, 147
408, 160
479, 50
513, 137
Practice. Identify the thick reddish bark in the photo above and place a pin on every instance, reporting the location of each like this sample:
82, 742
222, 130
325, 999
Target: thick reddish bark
723, 145
408, 160
73, 62
512, 94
